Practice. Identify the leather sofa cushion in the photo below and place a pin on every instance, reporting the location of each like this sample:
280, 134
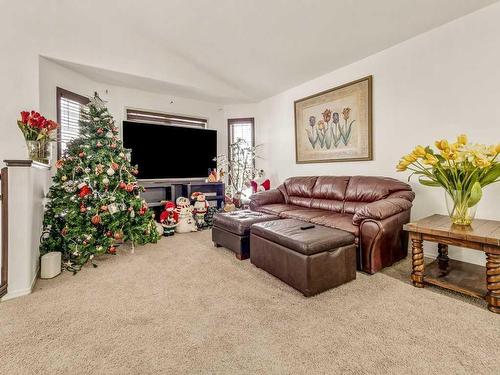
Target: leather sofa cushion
300, 186
337, 220
305, 214
327, 204
276, 209
287, 233
239, 222
330, 187
367, 189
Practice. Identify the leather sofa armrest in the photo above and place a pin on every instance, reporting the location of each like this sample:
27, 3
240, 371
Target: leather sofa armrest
266, 197
381, 209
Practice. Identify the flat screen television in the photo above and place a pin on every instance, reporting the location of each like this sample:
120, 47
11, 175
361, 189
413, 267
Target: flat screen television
170, 152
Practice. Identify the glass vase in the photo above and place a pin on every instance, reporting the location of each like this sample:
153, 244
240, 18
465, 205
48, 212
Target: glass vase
39, 151
459, 207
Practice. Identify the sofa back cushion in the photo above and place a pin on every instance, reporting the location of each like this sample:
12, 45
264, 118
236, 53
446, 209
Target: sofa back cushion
366, 189
329, 193
341, 193
299, 190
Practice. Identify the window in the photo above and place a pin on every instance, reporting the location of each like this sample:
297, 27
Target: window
165, 119
241, 128
69, 106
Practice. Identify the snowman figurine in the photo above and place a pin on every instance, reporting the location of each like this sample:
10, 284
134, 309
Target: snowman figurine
186, 222
200, 208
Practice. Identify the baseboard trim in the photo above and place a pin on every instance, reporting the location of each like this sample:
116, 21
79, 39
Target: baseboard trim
22, 292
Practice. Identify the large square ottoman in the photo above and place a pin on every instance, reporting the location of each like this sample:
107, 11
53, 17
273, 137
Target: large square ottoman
311, 260
232, 230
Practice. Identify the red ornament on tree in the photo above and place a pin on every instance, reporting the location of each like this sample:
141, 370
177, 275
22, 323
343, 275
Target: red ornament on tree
81, 154
84, 191
100, 131
122, 185
96, 219
130, 188
59, 164
115, 166
112, 250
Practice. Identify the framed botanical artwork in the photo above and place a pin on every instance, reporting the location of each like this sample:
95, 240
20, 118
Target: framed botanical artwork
335, 125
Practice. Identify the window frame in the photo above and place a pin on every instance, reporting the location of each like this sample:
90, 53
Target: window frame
230, 123
60, 92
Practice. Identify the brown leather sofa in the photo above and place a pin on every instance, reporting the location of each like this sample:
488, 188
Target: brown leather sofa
373, 209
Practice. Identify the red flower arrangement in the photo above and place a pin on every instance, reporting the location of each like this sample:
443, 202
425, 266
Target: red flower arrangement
35, 127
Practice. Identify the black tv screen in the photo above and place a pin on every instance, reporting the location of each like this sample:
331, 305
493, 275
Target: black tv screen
167, 151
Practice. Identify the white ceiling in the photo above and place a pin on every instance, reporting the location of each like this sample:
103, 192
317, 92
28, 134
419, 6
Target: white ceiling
257, 48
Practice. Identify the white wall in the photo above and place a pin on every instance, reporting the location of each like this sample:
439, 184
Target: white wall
437, 85
118, 98
73, 31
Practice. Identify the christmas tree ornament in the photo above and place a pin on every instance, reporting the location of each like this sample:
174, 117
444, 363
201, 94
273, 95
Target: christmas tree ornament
118, 236
112, 208
84, 191
129, 188
122, 185
98, 144
96, 219
85, 181
112, 145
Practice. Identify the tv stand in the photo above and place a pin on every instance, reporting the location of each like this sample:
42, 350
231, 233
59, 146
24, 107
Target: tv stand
169, 190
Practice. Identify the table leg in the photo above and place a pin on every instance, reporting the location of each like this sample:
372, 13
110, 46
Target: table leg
417, 252
493, 282
442, 257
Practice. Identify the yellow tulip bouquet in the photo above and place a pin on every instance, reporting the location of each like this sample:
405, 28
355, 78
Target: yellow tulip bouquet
461, 168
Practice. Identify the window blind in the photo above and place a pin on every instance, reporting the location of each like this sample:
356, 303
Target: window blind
165, 119
68, 116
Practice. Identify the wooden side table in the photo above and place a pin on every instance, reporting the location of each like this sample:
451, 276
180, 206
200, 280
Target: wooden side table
470, 279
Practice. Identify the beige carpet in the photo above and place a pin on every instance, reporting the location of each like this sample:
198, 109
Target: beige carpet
184, 307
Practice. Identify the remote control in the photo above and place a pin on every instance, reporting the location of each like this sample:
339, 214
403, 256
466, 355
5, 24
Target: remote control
307, 227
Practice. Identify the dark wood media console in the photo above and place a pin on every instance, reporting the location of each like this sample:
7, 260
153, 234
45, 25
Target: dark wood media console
158, 191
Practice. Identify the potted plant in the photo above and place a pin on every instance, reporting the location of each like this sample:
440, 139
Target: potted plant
37, 132
461, 168
239, 168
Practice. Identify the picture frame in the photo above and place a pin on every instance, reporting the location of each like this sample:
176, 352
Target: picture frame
335, 125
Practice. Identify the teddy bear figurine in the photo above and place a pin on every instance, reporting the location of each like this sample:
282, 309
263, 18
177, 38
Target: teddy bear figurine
200, 208
169, 219
186, 222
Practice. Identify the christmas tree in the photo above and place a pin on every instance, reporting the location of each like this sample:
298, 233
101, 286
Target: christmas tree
94, 202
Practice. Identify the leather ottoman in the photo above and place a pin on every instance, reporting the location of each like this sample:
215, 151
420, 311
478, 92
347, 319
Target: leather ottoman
311, 260
232, 230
